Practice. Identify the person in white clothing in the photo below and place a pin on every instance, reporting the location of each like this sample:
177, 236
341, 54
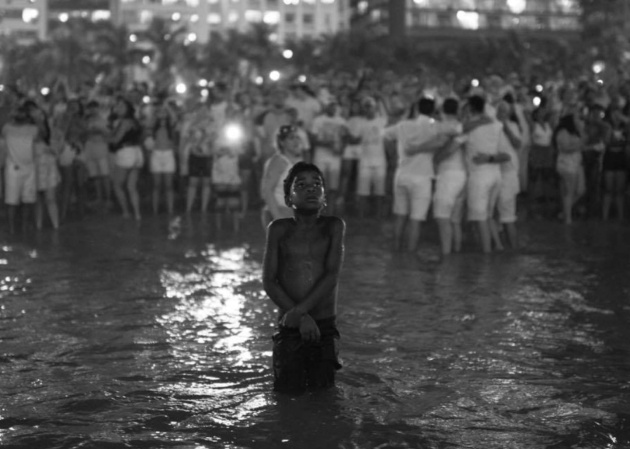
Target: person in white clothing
414, 173
328, 135
276, 169
373, 162
510, 144
484, 174
19, 136
450, 186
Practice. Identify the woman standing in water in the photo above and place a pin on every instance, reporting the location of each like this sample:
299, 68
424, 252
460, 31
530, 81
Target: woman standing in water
125, 143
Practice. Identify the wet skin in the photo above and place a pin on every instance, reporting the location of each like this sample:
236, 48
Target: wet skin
303, 258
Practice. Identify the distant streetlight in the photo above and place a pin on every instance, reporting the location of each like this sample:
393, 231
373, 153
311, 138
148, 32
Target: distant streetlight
63, 17
287, 54
259, 80
146, 60
302, 78
474, 83
133, 38
45, 91
202, 82
274, 75
176, 16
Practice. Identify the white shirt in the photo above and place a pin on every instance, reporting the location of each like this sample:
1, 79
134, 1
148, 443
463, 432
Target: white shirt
483, 139
371, 134
413, 132
455, 162
19, 140
329, 129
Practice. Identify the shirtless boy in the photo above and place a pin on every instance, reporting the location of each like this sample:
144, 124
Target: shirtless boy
303, 258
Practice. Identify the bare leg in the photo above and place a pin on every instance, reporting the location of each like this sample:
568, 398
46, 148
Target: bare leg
132, 189
446, 235
155, 192
119, 177
206, 192
170, 193
191, 192
483, 227
414, 235
399, 229
51, 205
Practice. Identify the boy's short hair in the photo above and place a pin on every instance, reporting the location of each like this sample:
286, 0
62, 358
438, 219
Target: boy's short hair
300, 167
450, 106
477, 104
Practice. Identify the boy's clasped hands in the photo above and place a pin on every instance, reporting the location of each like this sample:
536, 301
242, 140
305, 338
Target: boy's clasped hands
296, 317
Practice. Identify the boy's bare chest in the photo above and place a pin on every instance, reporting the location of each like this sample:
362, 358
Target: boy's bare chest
306, 245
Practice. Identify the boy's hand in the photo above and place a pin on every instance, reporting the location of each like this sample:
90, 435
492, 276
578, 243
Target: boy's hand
308, 329
292, 318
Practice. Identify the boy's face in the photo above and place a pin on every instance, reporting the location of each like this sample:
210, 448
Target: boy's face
307, 192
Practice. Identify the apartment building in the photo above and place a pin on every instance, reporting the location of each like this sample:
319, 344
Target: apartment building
25, 20
292, 19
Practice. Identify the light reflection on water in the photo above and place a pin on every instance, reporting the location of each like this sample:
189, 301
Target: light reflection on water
140, 338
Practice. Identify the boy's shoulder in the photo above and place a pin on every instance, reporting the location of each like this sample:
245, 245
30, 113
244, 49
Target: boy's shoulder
333, 223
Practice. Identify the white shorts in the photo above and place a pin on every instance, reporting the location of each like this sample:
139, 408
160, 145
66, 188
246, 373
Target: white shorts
449, 194
412, 196
162, 161
130, 157
20, 184
330, 165
482, 190
506, 205
352, 152
371, 180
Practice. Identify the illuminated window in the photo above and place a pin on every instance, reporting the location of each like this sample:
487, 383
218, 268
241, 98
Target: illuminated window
30, 15
468, 20
517, 6
233, 17
271, 17
251, 15
146, 16
214, 18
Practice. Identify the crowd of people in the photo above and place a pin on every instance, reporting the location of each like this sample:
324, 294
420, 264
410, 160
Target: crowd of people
486, 151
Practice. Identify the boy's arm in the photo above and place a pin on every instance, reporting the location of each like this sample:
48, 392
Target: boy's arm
430, 146
270, 268
326, 284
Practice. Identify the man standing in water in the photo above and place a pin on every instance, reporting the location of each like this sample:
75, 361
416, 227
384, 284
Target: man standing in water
303, 258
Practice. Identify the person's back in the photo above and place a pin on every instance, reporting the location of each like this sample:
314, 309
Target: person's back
415, 132
483, 140
455, 161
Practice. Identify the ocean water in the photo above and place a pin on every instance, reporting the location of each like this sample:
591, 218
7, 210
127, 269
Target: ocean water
114, 335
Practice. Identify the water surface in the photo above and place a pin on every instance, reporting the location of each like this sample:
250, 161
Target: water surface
114, 335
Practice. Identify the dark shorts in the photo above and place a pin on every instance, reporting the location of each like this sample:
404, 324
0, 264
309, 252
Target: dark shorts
298, 365
199, 166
